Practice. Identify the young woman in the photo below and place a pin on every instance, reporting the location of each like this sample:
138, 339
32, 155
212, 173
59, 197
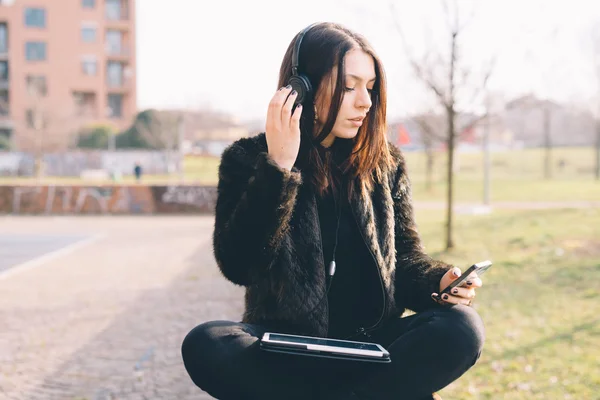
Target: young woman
320, 185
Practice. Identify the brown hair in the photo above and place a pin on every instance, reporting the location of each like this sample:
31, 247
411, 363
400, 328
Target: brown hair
367, 159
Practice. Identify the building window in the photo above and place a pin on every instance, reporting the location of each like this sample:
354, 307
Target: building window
3, 38
114, 74
115, 105
4, 109
36, 85
88, 3
114, 10
34, 119
35, 17
89, 65
35, 51
3, 70
88, 34
30, 118
114, 40
85, 103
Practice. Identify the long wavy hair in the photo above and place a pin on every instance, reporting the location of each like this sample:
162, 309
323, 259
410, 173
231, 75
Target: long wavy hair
364, 159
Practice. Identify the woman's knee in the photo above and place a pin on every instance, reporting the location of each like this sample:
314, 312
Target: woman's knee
199, 350
466, 331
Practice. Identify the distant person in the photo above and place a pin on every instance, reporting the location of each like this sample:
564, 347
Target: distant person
137, 170
323, 184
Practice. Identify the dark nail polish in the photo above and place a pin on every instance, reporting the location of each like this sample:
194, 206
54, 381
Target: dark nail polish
288, 87
445, 297
454, 291
469, 283
293, 92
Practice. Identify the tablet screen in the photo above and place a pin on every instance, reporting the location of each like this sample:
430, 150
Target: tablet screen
324, 342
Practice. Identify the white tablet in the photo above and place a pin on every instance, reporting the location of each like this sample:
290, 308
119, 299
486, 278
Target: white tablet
324, 347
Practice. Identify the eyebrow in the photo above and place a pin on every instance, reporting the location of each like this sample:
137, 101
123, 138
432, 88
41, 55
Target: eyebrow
358, 78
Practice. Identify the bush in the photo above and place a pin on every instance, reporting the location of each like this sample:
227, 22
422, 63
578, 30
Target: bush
97, 137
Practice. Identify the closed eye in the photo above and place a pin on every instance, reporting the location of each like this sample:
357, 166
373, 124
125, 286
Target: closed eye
352, 89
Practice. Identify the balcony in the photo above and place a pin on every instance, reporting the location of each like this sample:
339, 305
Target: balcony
118, 53
117, 14
119, 87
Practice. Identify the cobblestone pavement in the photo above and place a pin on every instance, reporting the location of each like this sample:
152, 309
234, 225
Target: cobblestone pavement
106, 320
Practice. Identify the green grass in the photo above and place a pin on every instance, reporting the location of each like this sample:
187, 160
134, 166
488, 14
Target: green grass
540, 302
516, 176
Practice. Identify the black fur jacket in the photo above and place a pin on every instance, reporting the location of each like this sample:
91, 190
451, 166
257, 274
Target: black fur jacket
267, 238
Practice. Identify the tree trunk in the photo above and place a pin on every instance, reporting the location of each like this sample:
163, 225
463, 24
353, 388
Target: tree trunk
598, 149
486, 160
547, 145
428, 169
450, 179
451, 136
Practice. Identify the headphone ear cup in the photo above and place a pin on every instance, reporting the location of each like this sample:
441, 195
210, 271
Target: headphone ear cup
301, 84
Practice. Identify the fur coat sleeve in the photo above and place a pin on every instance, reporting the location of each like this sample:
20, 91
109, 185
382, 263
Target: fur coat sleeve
255, 201
417, 274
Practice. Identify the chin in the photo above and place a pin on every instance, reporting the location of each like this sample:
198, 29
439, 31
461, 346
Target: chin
347, 133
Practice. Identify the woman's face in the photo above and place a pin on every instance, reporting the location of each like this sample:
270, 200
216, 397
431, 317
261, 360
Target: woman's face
360, 79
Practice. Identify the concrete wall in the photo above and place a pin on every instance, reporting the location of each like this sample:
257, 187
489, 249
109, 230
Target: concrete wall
73, 163
117, 199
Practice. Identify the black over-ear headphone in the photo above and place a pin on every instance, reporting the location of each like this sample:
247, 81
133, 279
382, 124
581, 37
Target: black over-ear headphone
299, 82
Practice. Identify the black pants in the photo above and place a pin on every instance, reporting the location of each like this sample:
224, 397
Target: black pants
429, 350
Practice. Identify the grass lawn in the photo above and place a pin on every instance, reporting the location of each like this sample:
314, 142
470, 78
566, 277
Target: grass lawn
516, 176
540, 301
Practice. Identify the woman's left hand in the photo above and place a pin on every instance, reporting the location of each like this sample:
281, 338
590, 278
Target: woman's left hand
462, 294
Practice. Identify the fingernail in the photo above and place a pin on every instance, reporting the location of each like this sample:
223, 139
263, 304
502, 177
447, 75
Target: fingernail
445, 297
456, 273
469, 283
288, 87
299, 106
281, 88
454, 291
294, 92
434, 296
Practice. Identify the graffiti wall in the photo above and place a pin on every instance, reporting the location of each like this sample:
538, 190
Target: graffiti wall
117, 199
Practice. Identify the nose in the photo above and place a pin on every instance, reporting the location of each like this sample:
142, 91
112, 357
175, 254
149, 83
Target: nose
363, 100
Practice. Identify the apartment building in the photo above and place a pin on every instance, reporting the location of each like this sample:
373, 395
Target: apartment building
64, 65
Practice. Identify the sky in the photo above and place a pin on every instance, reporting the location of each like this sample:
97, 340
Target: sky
225, 55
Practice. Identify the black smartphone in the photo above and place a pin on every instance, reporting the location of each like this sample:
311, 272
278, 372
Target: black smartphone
478, 268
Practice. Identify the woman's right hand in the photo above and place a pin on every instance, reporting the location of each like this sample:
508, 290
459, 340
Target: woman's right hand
283, 128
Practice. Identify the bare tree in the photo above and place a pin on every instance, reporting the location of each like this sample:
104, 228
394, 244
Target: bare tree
431, 127
162, 130
445, 77
596, 52
49, 127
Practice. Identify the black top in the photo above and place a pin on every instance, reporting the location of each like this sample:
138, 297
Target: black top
355, 298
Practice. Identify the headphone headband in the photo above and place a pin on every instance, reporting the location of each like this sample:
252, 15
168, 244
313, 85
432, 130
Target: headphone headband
296, 52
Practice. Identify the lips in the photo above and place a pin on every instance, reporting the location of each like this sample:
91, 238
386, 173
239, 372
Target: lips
358, 119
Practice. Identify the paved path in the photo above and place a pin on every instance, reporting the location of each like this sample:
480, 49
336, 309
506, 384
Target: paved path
515, 205
105, 320
509, 205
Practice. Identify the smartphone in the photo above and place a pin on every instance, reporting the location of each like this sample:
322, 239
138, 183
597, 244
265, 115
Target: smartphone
478, 269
